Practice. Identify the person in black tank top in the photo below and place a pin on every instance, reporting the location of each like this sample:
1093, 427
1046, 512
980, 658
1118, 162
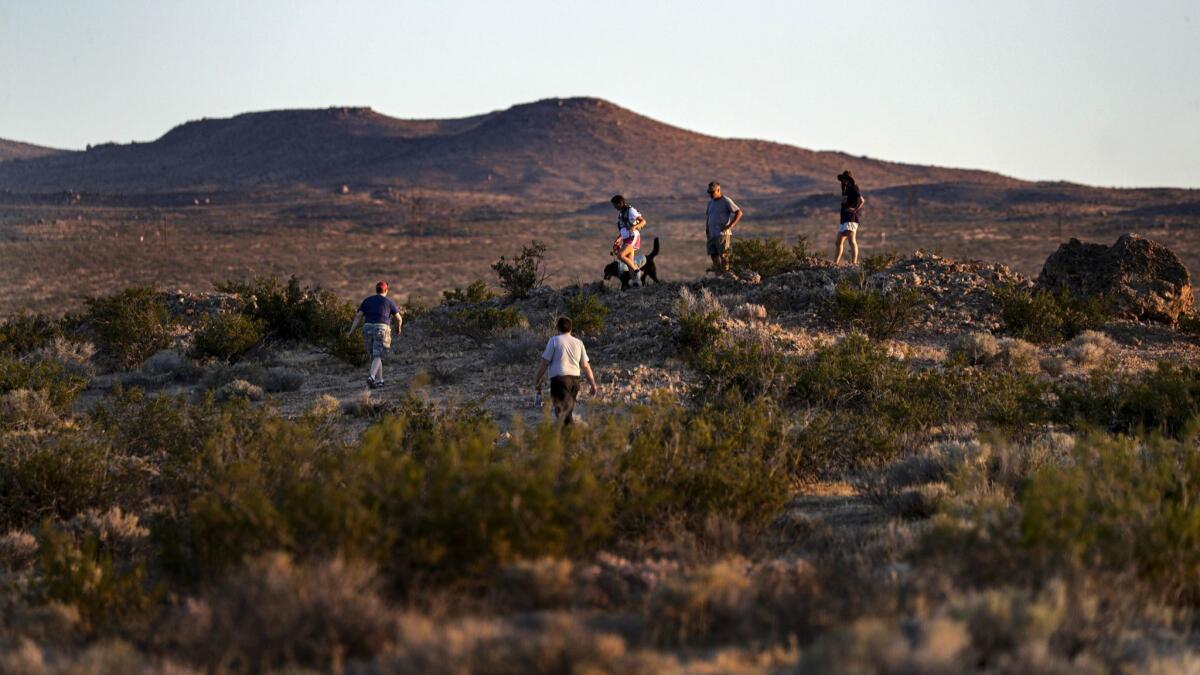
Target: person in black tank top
849, 217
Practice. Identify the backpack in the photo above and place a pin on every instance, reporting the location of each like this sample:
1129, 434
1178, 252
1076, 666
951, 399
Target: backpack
623, 220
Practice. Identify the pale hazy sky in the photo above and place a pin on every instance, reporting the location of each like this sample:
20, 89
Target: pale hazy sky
1100, 92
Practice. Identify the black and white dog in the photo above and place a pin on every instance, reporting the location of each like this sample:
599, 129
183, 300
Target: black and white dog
646, 271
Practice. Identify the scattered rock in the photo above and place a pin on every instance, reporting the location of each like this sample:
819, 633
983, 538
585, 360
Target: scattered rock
1146, 280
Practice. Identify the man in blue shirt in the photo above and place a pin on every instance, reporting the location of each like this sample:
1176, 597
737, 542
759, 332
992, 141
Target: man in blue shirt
377, 311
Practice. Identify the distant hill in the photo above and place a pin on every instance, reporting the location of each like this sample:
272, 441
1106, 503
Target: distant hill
18, 150
575, 148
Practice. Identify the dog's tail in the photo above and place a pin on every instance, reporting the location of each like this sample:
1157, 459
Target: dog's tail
653, 251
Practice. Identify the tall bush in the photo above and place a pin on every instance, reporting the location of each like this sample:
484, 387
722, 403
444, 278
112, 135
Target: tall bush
525, 272
131, 325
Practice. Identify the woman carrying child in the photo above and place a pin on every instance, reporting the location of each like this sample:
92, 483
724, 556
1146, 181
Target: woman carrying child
629, 239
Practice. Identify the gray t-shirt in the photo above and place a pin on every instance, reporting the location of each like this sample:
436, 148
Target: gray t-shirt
565, 354
718, 214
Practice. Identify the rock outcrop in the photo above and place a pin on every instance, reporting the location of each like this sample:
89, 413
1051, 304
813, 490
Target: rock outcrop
1145, 280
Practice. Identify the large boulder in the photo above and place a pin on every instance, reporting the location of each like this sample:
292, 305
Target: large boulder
1145, 279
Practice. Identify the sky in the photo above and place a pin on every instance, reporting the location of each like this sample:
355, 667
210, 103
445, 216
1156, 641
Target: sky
1091, 91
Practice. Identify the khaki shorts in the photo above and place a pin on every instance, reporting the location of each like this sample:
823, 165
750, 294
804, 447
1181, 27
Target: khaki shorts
718, 245
377, 338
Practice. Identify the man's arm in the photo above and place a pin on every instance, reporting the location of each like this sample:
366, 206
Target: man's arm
639, 222
541, 372
354, 324
737, 218
591, 378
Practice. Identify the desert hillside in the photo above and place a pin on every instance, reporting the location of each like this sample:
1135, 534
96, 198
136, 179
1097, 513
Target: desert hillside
17, 150
918, 464
558, 149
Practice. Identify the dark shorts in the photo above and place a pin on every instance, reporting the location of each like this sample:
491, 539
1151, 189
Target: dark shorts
563, 391
718, 245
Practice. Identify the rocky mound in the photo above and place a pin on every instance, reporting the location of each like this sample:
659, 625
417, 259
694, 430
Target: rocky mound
1145, 279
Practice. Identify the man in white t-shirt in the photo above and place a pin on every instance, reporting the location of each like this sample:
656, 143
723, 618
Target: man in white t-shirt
563, 360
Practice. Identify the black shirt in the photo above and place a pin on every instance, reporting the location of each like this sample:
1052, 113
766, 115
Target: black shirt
850, 199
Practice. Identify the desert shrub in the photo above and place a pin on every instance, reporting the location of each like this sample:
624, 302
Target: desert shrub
228, 336
727, 459
767, 257
18, 550
1042, 317
974, 349
735, 601
61, 475
281, 378
587, 314
1189, 324
432, 493
26, 409
24, 333
85, 576
58, 389
748, 364
866, 407
239, 389
521, 347
462, 502
1017, 355
1121, 505
700, 318
1091, 348
1164, 400
167, 362
366, 406
221, 374
414, 308
75, 356
482, 323
541, 583
750, 313
873, 264
272, 612
1053, 366
476, 292
131, 325
274, 379
525, 272
876, 313
294, 312
555, 643
327, 405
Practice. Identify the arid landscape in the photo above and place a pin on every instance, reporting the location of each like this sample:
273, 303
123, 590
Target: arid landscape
430, 204
973, 452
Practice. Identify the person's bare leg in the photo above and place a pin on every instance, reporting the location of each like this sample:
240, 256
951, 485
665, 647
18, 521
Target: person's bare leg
854, 246
841, 248
376, 372
626, 256
716, 264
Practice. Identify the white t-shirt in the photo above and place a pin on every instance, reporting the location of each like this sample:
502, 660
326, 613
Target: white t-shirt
627, 218
565, 354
